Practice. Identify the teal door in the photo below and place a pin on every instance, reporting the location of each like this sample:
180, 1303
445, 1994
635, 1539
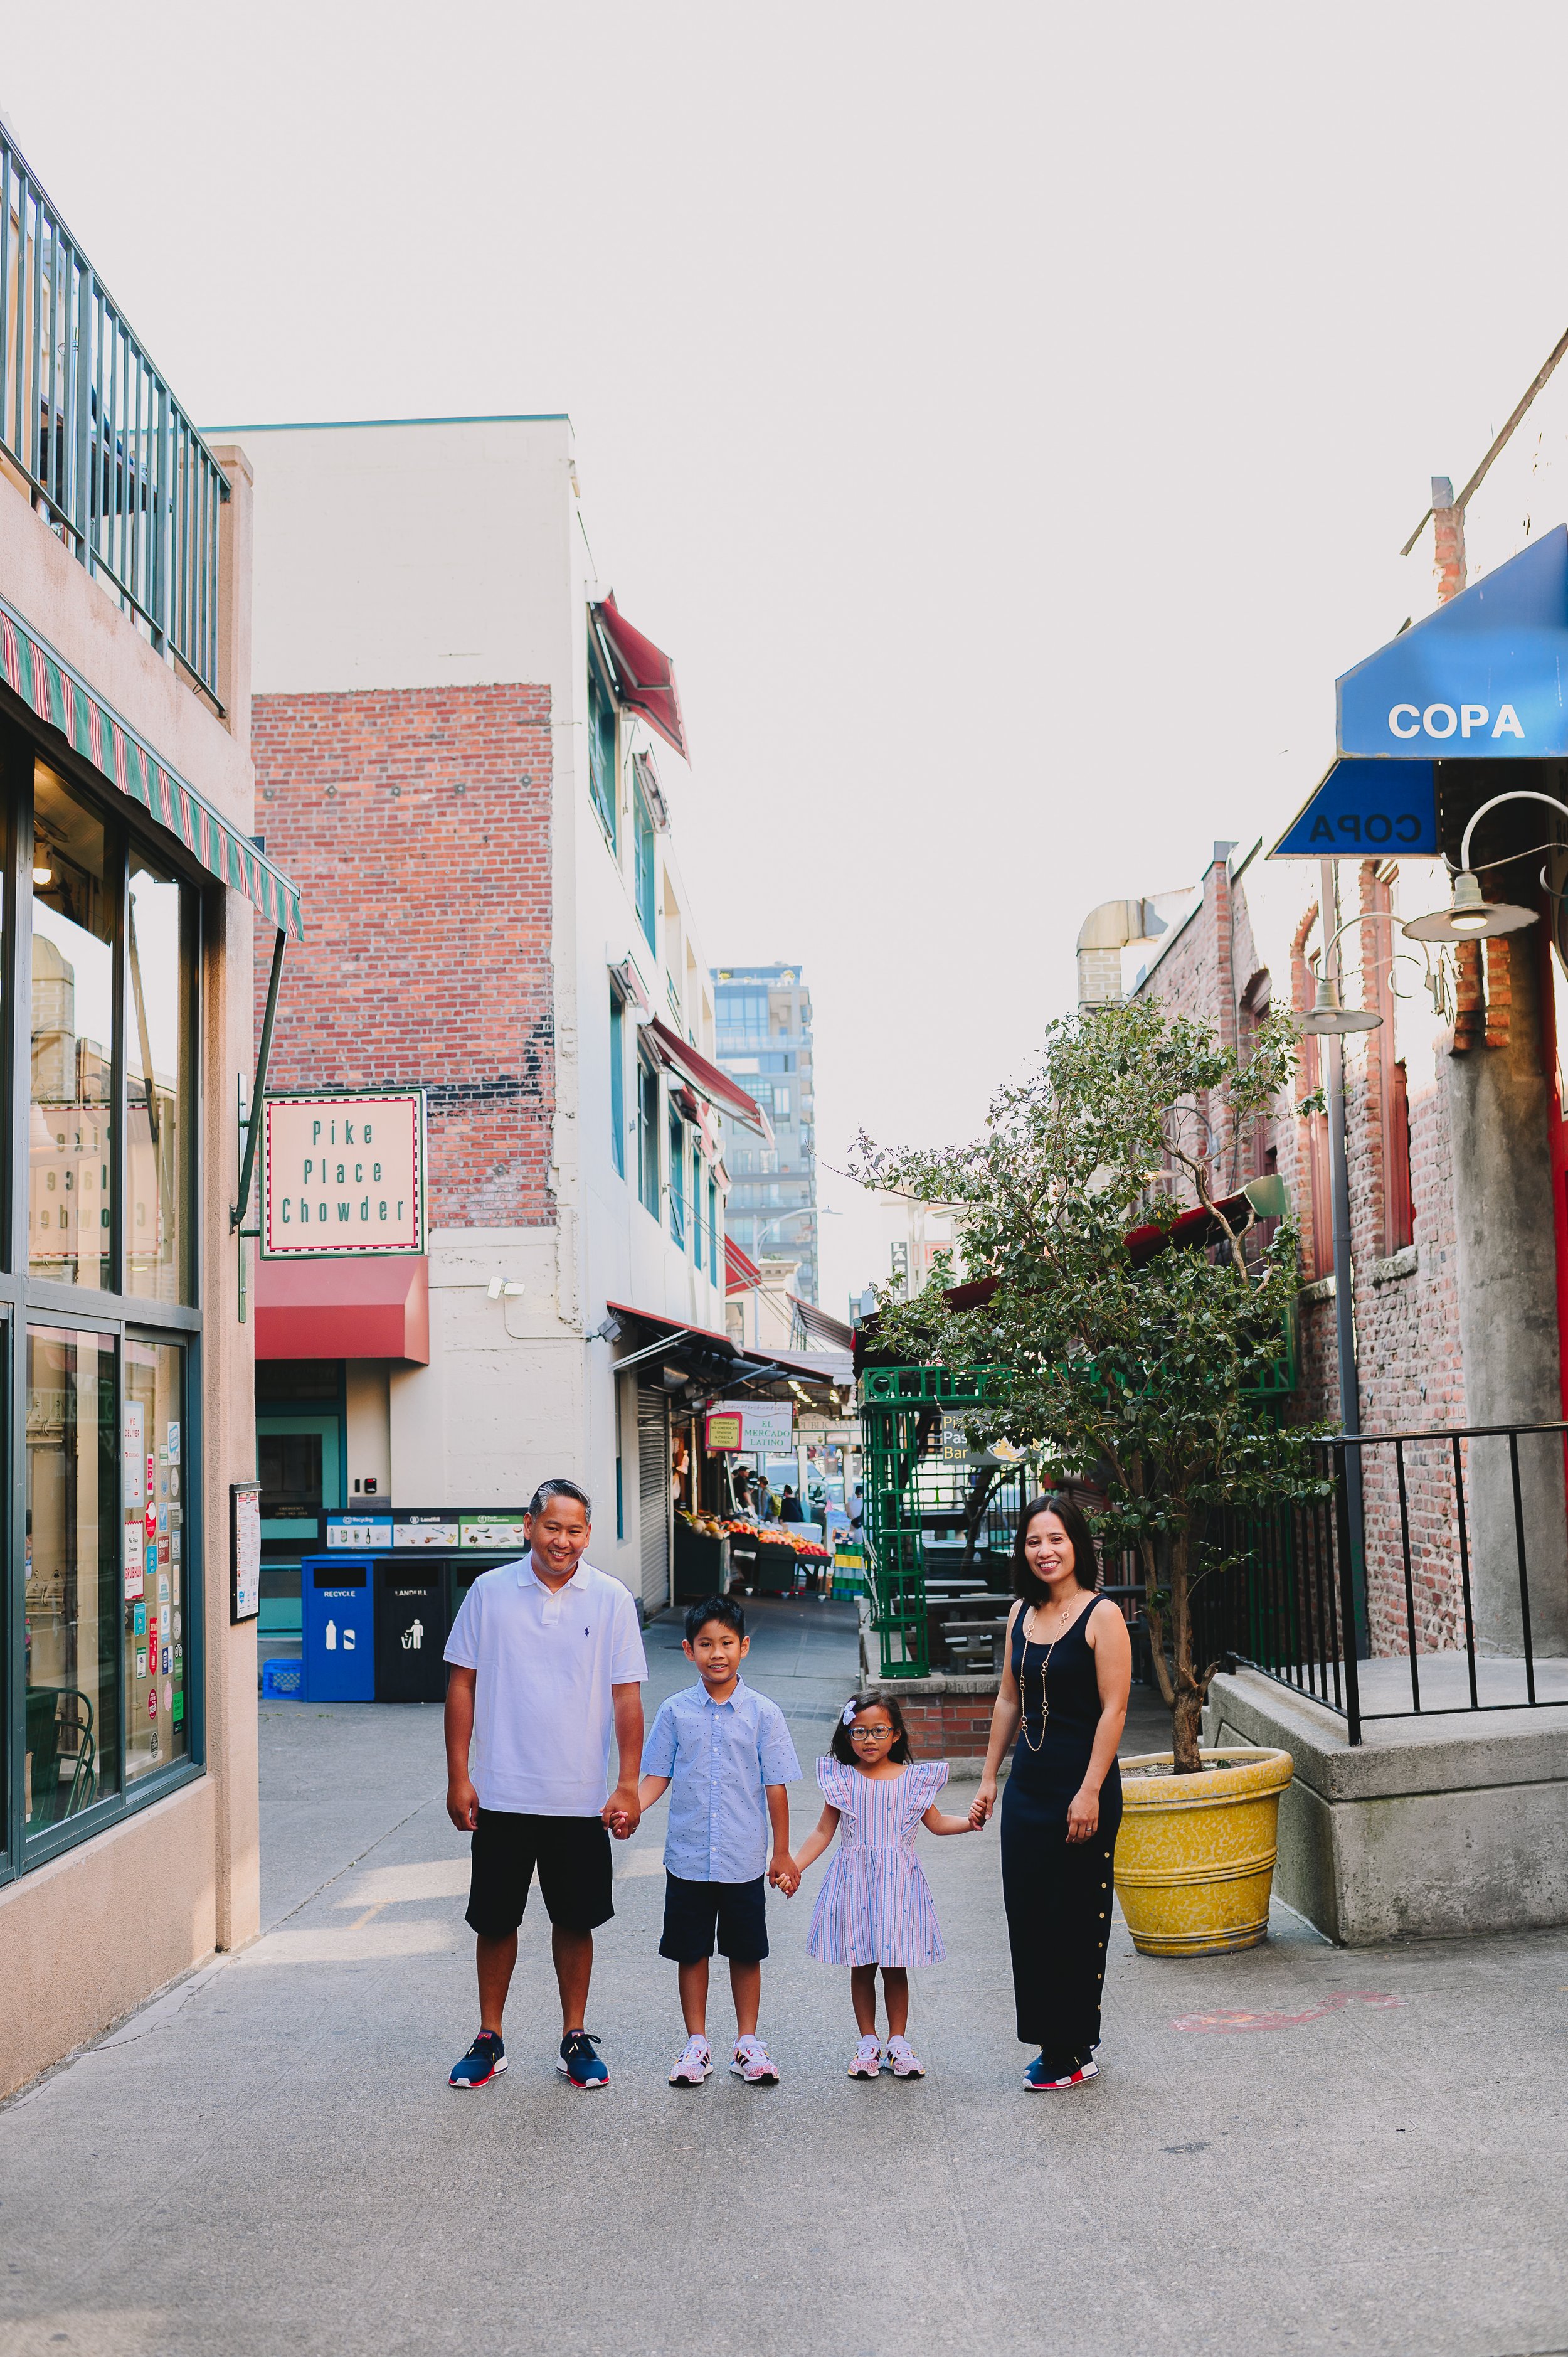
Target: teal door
299, 1461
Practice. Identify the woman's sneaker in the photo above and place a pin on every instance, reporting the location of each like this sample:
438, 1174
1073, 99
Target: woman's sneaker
1043, 2077
905, 2062
578, 2061
694, 2064
483, 2061
867, 2060
753, 2064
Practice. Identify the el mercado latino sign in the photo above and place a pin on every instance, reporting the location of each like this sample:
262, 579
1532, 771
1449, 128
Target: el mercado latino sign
1483, 678
755, 1427
343, 1175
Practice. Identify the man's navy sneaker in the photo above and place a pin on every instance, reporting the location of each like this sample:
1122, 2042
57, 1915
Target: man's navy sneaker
484, 2059
579, 2062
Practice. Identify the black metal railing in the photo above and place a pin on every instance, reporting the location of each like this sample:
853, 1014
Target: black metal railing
105, 450
1453, 1595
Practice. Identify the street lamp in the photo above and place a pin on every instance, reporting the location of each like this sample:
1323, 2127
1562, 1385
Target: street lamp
1469, 918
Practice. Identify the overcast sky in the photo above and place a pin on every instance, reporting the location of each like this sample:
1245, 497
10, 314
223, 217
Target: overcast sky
1008, 418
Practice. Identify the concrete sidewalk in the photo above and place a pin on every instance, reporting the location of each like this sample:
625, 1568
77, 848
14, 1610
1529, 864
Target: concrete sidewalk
1294, 2150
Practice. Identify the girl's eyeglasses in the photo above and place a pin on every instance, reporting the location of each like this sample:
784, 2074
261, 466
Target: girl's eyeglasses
870, 1734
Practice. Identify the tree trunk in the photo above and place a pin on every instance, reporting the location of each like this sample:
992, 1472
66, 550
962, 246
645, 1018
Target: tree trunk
1186, 1710
1187, 1729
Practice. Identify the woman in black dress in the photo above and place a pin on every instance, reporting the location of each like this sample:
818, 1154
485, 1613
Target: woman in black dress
1066, 1674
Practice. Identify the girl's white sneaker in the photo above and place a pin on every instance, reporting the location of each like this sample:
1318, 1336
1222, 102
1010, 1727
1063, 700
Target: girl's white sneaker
867, 2060
694, 2064
907, 2063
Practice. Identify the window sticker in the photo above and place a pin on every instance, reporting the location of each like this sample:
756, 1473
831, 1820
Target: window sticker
174, 1444
136, 1445
135, 1561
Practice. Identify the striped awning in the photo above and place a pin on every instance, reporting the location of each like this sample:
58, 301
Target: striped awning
50, 689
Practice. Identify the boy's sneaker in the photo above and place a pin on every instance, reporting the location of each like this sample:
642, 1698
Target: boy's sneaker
579, 2062
753, 2064
907, 2063
1041, 2076
484, 2060
867, 2060
694, 2064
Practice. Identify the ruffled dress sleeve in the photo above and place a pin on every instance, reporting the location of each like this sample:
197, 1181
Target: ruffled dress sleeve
923, 1782
832, 1777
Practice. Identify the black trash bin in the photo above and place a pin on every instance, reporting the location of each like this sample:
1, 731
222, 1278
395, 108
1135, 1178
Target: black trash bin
411, 1629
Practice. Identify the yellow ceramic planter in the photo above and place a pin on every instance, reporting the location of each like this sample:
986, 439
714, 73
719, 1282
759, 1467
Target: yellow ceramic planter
1195, 1859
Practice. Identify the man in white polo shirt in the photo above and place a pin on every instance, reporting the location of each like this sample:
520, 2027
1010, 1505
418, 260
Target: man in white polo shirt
546, 1662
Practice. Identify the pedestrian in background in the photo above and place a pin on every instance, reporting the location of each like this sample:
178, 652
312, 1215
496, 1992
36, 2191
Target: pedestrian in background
722, 1752
790, 1507
874, 1909
1066, 1674
546, 1661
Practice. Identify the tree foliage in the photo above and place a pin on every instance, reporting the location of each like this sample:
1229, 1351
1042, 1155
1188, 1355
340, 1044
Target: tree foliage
1143, 1378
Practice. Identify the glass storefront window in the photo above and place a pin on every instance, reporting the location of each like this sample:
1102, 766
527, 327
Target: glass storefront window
157, 1123
69, 1238
152, 1540
71, 1575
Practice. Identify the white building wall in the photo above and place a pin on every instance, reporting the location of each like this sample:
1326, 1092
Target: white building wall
405, 555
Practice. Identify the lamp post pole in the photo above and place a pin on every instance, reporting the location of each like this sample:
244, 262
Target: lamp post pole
1344, 1280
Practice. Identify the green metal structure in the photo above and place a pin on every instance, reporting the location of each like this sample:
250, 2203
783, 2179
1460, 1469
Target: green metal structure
916, 1479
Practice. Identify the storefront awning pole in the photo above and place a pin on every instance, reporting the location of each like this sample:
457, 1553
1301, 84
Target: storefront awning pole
248, 1168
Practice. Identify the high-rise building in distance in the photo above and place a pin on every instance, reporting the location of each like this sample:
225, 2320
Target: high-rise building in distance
762, 1020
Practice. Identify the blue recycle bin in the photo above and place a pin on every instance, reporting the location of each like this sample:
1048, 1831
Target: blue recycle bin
338, 1620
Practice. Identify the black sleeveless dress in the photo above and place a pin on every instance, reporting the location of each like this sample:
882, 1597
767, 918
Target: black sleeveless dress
1057, 1892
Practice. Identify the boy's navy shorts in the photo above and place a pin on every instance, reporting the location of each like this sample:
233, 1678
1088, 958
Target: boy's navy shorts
573, 1854
696, 1912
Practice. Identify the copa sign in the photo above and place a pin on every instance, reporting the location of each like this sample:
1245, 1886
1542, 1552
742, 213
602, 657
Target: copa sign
1365, 810
343, 1174
1442, 721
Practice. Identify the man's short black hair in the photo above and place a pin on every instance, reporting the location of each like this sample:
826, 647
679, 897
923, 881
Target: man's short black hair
725, 1609
548, 1489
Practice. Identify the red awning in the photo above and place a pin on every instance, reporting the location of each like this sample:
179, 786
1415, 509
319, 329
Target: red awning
707, 1078
741, 1272
344, 1310
644, 677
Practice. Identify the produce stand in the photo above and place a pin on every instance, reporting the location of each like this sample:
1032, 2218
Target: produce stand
701, 1558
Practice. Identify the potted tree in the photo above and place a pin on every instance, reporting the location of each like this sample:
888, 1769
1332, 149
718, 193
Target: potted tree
1141, 1368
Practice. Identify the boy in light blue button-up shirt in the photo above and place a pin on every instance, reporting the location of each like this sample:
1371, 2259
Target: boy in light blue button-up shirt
723, 1753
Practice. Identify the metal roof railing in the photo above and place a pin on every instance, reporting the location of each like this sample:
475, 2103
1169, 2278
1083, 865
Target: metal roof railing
104, 448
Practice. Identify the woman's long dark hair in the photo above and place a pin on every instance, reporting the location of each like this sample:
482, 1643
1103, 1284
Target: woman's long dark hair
1085, 1561
899, 1750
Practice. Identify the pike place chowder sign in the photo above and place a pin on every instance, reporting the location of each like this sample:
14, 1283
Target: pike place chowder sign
343, 1174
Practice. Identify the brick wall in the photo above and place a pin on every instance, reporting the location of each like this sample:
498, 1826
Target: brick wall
1406, 1306
417, 824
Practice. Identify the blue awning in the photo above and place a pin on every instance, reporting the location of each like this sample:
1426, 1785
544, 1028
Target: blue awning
1483, 679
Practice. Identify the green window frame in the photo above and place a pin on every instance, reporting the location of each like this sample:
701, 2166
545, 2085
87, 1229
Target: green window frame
677, 1179
713, 1263
644, 866
101, 1702
602, 765
648, 1136
618, 1084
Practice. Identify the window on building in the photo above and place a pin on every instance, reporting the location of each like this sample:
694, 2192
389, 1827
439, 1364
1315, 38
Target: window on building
1402, 1204
602, 779
677, 1178
618, 1084
159, 1084
71, 1156
648, 1136
780, 1100
714, 1264
1320, 1259
100, 972
645, 866
697, 1204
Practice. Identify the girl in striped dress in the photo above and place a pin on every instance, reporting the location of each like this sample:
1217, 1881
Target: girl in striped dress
874, 1908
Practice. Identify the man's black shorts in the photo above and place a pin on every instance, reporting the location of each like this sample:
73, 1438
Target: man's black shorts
573, 1854
693, 1912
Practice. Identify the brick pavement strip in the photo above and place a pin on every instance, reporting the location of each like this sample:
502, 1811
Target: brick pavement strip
1298, 2149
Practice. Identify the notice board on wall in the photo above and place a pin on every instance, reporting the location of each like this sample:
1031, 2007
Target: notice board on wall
244, 1550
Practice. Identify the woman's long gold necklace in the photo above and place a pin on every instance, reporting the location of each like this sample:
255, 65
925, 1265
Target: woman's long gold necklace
1045, 1666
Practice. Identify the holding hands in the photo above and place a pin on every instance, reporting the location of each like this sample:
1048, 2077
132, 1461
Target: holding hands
783, 1873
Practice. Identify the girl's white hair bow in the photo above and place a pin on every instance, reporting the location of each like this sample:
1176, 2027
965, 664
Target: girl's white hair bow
849, 1710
